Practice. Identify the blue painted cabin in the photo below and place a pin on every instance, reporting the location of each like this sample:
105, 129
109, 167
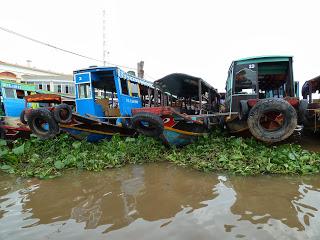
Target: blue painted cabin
106, 92
12, 97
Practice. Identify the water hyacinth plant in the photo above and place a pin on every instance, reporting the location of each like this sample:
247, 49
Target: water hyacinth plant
47, 159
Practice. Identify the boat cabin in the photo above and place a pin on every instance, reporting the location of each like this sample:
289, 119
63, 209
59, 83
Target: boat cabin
187, 109
311, 90
188, 94
309, 109
259, 78
109, 92
12, 97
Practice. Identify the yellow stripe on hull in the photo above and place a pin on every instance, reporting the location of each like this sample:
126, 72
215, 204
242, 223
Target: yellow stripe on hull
184, 132
90, 131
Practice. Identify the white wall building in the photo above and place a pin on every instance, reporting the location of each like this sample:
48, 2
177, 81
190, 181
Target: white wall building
43, 79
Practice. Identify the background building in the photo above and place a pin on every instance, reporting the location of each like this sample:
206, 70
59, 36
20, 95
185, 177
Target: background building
43, 79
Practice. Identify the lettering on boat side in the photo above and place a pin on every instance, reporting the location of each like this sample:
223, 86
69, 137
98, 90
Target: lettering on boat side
11, 85
128, 100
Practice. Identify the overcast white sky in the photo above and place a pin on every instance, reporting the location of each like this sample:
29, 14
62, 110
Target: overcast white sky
200, 37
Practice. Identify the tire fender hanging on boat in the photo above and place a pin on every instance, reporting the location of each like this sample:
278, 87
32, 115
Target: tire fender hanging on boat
148, 124
62, 113
2, 133
42, 123
23, 116
282, 122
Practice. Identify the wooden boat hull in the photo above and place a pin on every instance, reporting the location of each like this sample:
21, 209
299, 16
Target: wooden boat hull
14, 133
92, 130
236, 125
311, 121
179, 129
11, 129
177, 137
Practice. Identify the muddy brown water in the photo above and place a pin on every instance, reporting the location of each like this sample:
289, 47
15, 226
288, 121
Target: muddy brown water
159, 201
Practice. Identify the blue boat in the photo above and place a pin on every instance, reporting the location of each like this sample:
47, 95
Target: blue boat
105, 97
12, 97
110, 101
12, 104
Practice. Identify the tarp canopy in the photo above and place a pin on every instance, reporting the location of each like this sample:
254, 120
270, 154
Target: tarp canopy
183, 85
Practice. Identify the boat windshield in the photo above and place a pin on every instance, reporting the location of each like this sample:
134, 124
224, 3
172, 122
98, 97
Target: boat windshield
245, 79
84, 90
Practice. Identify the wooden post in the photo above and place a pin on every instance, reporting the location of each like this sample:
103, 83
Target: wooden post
156, 97
200, 95
104, 93
149, 97
310, 93
112, 96
161, 99
210, 100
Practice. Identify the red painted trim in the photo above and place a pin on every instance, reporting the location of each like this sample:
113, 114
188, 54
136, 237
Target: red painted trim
252, 102
292, 101
160, 111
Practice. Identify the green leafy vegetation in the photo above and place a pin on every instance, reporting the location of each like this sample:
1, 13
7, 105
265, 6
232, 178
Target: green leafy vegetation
47, 159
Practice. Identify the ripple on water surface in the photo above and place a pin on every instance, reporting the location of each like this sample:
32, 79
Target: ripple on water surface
159, 201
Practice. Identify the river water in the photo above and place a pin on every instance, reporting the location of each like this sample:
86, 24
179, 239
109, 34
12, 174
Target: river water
159, 201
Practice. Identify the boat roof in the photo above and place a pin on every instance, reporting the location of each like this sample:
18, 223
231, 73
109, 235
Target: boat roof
183, 85
314, 83
43, 98
120, 72
258, 59
15, 85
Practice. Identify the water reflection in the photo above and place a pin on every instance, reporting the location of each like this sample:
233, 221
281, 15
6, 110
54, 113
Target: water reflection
159, 201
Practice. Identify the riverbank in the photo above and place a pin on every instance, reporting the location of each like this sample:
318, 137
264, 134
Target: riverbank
215, 153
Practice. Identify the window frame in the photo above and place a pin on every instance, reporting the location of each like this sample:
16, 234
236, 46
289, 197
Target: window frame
89, 93
137, 87
13, 91
127, 86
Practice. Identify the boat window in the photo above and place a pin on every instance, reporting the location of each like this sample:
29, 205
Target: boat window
48, 87
274, 79
9, 92
134, 87
245, 79
124, 86
40, 86
59, 88
20, 94
67, 89
84, 90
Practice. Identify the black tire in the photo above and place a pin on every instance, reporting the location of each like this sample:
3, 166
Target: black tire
155, 124
243, 110
36, 120
303, 113
23, 118
2, 133
62, 113
272, 105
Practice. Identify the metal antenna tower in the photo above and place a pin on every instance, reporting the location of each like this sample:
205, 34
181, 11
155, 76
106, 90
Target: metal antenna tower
104, 51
